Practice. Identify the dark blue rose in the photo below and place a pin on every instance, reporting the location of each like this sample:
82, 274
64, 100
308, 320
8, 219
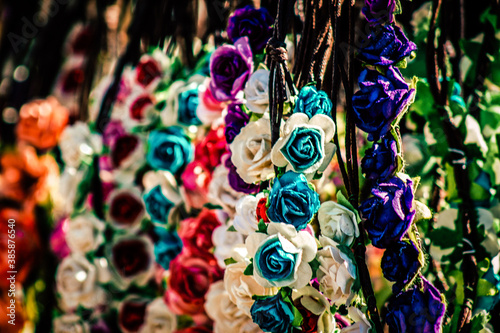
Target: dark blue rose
167, 246
235, 120
253, 23
416, 311
157, 205
304, 148
275, 264
388, 212
169, 149
311, 102
380, 160
291, 201
400, 263
188, 102
235, 180
379, 101
385, 45
379, 11
272, 314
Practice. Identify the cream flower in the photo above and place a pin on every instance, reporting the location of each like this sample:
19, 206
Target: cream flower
257, 91
221, 193
78, 144
84, 233
251, 151
281, 257
76, 282
360, 325
337, 222
224, 242
225, 314
318, 304
159, 318
245, 219
241, 287
304, 144
70, 323
336, 273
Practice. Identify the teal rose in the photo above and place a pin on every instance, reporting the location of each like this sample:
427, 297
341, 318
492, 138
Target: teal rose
188, 102
157, 205
311, 102
304, 148
274, 263
169, 149
273, 314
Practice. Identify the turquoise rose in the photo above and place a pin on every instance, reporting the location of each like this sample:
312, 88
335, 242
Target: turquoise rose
169, 149
273, 314
304, 148
157, 205
274, 263
311, 102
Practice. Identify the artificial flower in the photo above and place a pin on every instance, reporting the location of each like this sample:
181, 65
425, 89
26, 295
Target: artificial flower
257, 92
400, 263
235, 119
169, 149
380, 161
338, 222
84, 233
252, 23
273, 314
158, 318
311, 102
168, 245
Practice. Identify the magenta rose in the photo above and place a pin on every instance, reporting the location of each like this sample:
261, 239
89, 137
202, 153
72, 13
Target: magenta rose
230, 68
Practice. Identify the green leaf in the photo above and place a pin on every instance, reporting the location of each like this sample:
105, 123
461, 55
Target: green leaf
262, 227
486, 288
211, 206
424, 101
232, 228
314, 266
249, 269
297, 317
445, 238
229, 261
479, 321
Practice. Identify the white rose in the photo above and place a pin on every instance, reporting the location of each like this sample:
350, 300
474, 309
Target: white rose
245, 219
299, 243
319, 305
77, 143
70, 323
225, 314
360, 325
251, 151
322, 124
221, 193
257, 91
241, 287
84, 233
167, 183
336, 273
76, 282
131, 162
224, 242
159, 318
114, 214
64, 199
337, 222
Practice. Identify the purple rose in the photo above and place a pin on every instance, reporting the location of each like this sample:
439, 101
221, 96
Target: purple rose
235, 120
380, 100
400, 263
235, 180
380, 160
230, 67
379, 11
385, 45
388, 213
253, 23
416, 311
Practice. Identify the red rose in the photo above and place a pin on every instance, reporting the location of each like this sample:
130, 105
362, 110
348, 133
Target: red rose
262, 210
195, 329
310, 320
123, 148
125, 208
131, 314
132, 257
210, 150
196, 179
191, 276
147, 70
138, 107
196, 233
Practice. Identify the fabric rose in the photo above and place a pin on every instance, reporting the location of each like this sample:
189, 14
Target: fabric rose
379, 11
245, 220
380, 100
84, 233
304, 144
209, 108
209, 151
137, 111
158, 318
380, 161
221, 193
251, 151
338, 223
312, 102
230, 67
361, 323
389, 212
257, 91
127, 153
161, 195
147, 71
281, 258
167, 246
70, 323
169, 149
235, 180
186, 110
196, 180
241, 288
235, 120
196, 232
41, 122
131, 258
291, 201
76, 282
226, 316
273, 314
132, 313
188, 286
126, 208
113, 130
157, 205
337, 273
400, 263
77, 144
253, 23
385, 45
225, 242
419, 310
315, 310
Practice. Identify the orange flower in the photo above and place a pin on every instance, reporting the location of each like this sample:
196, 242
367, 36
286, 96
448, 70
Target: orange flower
41, 122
